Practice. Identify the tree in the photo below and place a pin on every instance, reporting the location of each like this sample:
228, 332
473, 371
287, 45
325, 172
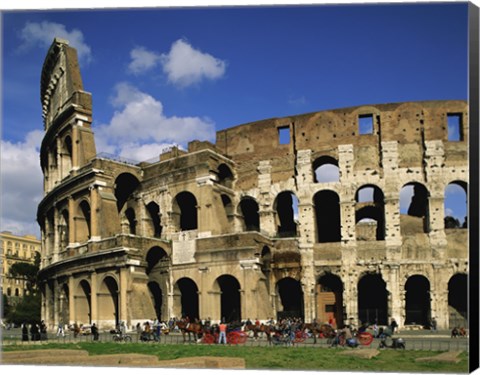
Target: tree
451, 222
27, 271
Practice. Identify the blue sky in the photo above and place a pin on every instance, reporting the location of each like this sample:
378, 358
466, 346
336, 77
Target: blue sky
165, 76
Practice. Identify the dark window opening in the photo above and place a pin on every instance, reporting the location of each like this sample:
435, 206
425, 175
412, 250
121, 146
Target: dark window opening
189, 298
454, 122
157, 298
365, 124
291, 298
230, 308
458, 300
132, 222
154, 212
125, 185
156, 256
186, 207
251, 217
327, 214
287, 214
284, 135
417, 300
112, 287
373, 300
85, 208
225, 175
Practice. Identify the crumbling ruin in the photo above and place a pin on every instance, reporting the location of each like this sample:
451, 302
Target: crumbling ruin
287, 216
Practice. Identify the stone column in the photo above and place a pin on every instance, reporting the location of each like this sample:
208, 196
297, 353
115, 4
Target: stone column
71, 299
267, 215
56, 235
75, 146
396, 297
94, 297
308, 282
124, 295
94, 222
57, 310
71, 220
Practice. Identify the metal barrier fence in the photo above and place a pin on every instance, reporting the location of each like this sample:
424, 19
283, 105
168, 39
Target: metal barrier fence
412, 343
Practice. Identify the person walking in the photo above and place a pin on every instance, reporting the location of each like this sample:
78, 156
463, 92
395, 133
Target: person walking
94, 332
24, 332
60, 330
223, 332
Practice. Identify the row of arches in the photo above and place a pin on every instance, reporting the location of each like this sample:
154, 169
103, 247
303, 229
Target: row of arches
373, 299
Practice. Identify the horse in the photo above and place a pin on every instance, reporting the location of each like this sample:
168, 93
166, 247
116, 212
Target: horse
256, 329
459, 332
322, 330
189, 328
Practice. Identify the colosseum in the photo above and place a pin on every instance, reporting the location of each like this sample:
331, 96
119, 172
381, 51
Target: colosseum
293, 216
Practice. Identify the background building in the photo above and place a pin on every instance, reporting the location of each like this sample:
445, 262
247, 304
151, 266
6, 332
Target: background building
16, 249
294, 216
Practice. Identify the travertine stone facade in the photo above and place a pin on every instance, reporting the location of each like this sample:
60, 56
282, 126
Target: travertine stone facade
256, 225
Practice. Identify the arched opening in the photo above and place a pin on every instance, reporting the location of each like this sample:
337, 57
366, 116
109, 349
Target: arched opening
228, 207
83, 300
327, 215
153, 210
372, 299
230, 307
157, 259
286, 207
64, 303
186, 298
185, 211
417, 300
329, 292
291, 298
369, 213
325, 169
458, 300
64, 229
414, 207
157, 298
125, 185
83, 227
249, 210
225, 176
132, 221
455, 204
108, 302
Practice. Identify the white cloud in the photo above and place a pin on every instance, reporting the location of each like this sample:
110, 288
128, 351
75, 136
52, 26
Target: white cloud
22, 184
42, 34
185, 65
143, 60
327, 173
140, 129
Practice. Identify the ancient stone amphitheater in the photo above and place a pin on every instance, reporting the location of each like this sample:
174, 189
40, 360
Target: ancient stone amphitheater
336, 215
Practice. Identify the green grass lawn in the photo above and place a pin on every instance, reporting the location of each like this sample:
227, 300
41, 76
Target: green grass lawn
286, 358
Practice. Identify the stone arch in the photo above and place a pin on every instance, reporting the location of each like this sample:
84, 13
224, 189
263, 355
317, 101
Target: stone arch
230, 299
225, 175
414, 202
228, 207
417, 300
157, 298
455, 204
185, 211
458, 300
290, 298
327, 215
130, 221
84, 230
83, 302
286, 208
185, 299
108, 301
157, 258
249, 210
155, 228
370, 213
372, 299
125, 185
329, 299
325, 169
